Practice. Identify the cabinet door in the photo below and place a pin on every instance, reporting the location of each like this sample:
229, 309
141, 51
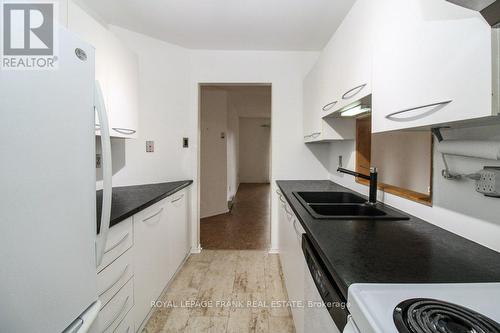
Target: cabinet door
351, 55
311, 115
116, 69
292, 261
152, 268
432, 64
94, 33
178, 228
123, 99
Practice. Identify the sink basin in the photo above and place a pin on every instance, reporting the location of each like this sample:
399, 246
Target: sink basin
353, 212
344, 206
347, 210
328, 197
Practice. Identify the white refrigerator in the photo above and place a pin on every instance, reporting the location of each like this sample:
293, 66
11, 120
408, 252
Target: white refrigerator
49, 249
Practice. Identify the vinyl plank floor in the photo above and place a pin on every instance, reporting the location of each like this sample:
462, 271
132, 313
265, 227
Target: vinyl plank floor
225, 291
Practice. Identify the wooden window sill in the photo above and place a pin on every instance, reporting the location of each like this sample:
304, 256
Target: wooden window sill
421, 198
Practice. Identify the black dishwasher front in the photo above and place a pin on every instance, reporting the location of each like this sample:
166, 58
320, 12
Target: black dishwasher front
329, 291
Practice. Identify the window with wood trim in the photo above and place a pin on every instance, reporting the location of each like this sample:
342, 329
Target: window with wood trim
403, 160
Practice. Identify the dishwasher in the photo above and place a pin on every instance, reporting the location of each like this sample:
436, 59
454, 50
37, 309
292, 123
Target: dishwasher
325, 309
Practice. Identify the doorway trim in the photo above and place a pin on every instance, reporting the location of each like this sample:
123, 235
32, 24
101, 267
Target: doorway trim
198, 248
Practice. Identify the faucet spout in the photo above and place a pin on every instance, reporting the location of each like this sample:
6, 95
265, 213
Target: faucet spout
373, 178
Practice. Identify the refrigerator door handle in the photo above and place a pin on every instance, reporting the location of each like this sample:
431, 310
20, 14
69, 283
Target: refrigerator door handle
106, 174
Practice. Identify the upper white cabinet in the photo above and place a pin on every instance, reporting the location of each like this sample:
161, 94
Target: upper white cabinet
349, 54
116, 70
432, 64
317, 129
341, 77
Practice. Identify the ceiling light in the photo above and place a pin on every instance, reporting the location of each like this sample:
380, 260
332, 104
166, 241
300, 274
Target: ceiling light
355, 111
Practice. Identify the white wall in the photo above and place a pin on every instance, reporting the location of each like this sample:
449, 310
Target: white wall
255, 148
457, 206
403, 159
291, 159
169, 95
213, 157
163, 116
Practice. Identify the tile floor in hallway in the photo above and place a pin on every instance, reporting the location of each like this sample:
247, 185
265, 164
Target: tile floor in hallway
225, 291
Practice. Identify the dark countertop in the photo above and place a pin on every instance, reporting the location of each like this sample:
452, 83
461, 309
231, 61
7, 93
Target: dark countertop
128, 200
412, 251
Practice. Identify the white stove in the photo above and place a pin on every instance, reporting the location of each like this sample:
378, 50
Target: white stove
374, 307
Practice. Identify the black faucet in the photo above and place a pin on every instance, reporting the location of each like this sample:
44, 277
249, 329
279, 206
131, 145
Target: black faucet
372, 178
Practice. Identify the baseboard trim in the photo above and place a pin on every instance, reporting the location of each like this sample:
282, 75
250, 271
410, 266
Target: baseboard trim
274, 251
224, 211
196, 250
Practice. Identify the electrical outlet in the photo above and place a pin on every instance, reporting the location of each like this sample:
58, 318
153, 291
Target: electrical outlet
340, 161
185, 142
98, 161
489, 182
150, 146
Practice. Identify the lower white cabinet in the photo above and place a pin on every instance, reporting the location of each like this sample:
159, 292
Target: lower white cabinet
311, 318
116, 310
161, 243
111, 279
292, 260
142, 255
178, 235
151, 257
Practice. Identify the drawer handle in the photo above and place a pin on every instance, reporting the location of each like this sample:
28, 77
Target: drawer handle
280, 197
391, 115
115, 282
312, 135
179, 198
329, 106
114, 246
154, 215
120, 312
354, 91
125, 131
299, 234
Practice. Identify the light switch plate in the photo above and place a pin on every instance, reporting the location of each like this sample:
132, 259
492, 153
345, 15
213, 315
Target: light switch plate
150, 146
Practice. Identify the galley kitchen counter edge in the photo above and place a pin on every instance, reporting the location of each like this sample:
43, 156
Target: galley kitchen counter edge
411, 251
128, 200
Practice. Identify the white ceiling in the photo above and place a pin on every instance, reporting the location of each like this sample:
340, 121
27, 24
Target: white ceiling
228, 24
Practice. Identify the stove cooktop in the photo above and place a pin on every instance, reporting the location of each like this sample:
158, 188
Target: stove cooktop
416, 308
425, 315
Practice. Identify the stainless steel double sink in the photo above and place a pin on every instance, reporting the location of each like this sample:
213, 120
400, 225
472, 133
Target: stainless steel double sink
344, 206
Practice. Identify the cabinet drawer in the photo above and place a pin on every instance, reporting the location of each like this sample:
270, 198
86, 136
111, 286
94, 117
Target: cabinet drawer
116, 310
126, 325
120, 239
112, 278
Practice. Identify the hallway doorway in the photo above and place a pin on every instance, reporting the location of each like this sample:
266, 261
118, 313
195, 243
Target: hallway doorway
235, 166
